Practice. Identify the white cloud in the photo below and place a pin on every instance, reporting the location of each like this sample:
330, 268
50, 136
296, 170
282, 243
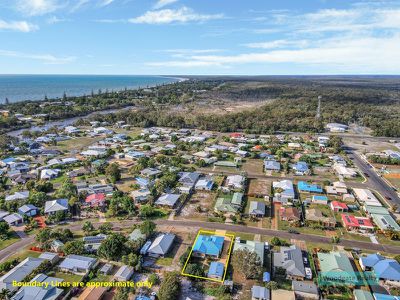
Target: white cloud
37, 7
45, 58
105, 2
54, 20
162, 3
167, 16
22, 26
185, 64
278, 44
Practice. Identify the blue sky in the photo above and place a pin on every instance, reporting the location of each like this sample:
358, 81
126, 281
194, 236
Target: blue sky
253, 37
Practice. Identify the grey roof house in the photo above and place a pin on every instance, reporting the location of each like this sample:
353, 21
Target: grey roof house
51, 292
161, 245
77, 264
168, 200
257, 209
259, 293
124, 273
54, 206
290, 259
19, 272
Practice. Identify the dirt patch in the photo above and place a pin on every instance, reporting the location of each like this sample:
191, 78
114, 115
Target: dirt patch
259, 187
199, 206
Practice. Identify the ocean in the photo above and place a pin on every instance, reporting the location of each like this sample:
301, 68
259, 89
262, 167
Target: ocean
35, 87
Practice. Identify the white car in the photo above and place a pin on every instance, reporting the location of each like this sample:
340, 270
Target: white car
308, 273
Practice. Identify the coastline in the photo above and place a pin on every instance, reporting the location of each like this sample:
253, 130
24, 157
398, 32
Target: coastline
73, 85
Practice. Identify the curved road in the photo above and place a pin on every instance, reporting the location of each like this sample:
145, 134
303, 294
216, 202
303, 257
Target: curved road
14, 248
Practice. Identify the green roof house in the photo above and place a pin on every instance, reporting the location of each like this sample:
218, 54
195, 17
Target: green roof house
336, 267
231, 205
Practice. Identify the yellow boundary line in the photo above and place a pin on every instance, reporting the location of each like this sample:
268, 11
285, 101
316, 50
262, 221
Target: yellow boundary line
232, 236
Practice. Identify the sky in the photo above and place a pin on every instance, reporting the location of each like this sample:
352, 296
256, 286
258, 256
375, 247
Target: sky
200, 37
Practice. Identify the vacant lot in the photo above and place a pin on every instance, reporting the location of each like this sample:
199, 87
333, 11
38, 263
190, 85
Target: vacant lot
199, 206
253, 166
260, 187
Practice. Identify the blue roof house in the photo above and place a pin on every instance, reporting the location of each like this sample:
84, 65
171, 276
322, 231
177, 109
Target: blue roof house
367, 262
301, 168
208, 245
216, 270
387, 269
305, 187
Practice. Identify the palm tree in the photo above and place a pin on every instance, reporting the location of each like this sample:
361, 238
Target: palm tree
5, 294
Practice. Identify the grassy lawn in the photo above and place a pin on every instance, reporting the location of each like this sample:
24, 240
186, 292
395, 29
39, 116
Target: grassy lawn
13, 238
164, 261
78, 143
68, 277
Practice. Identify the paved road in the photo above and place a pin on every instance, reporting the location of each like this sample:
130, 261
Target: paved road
280, 234
373, 180
14, 248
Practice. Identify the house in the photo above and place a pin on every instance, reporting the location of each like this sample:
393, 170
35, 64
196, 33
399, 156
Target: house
290, 259
337, 206
283, 191
305, 187
235, 182
92, 243
106, 189
169, 200
106, 269
48, 174
150, 172
124, 273
208, 245
337, 127
257, 209
57, 246
337, 268
385, 222
290, 214
29, 210
204, 184
384, 268
40, 291
14, 219
319, 199
366, 197
315, 215
78, 264
356, 223
136, 234
337, 188
305, 290
228, 204
50, 256
141, 195
17, 196
301, 168
344, 171
95, 200
53, 206
19, 273
272, 165
260, 293
188, 181
251, 246
161, 245
216, 270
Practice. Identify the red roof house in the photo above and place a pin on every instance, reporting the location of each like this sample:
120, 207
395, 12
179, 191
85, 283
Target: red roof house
337, 206
95, 200
356, 223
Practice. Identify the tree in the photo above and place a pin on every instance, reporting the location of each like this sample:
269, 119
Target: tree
194, 269
113, 172
170, 287
275, 241
105, 228
37, 198
4, 230
153, 279
5, 294
147, 228
146, 211
397, 258
113, 247
74, 247
133, 260
88, 227
43, 237
272, 285
67, 190
248, 263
